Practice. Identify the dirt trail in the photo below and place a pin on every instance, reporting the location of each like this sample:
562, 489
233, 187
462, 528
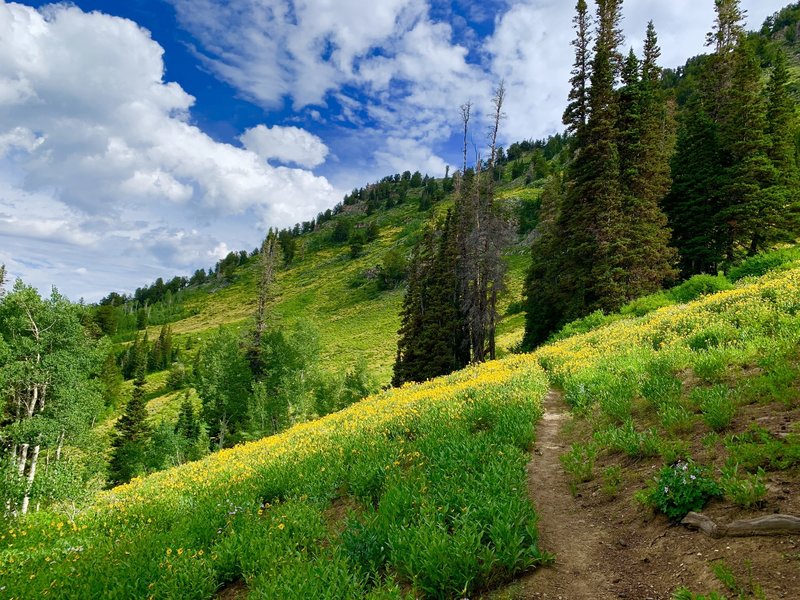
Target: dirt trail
578, 570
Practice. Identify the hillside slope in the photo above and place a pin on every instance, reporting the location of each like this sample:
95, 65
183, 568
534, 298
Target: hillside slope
421, 490
339, 295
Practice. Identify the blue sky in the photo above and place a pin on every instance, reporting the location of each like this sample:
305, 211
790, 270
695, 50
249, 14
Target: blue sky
148, 138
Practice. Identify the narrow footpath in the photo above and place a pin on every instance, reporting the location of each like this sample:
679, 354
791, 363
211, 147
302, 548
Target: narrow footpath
578, 571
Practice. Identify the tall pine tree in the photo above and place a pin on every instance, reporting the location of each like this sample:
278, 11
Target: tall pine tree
645, 145
605, 239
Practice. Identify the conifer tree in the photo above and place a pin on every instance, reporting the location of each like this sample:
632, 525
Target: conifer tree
409, 360
750, 171
544, 280
433, 334
188, 425
783, 213
721, 204
577, 111
692, 204
129, 445
591, 219
646, 134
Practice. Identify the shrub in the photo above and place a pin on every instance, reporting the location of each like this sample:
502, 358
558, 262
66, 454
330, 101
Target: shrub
699, 285
178, 376
588, 323
646, 304
680, 488
759, 265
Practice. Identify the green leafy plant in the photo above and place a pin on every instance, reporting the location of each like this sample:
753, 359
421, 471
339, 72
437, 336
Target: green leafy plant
612, 479
716, 405
682, 487
745, 490
685, 594
626, 439
578, 463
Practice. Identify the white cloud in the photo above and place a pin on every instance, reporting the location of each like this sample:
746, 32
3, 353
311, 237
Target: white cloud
286, 144
391, 71
97, 150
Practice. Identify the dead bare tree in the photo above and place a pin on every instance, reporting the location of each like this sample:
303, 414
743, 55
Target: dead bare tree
269, 260
483, 232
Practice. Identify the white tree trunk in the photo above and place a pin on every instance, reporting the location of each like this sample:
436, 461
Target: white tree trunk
31, 477
23, 458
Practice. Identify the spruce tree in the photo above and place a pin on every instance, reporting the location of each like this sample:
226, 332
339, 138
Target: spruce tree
783, 213
410, 358
692, 204
188, 426
131, 437
591, 219
544, 280
445, 332
577, 111
433, 334
745, 201
646, 133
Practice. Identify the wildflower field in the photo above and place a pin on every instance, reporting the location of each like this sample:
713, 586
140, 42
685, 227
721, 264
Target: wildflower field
416, 491
678, 387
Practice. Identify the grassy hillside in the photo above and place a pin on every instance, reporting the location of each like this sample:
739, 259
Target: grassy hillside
420, 490
339, 295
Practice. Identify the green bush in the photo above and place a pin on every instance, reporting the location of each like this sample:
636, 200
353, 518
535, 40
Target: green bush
759, 265
588, 323
680, 488
646, 304
699, 285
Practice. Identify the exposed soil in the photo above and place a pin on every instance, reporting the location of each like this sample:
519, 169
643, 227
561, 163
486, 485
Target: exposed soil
233, 591
614, 548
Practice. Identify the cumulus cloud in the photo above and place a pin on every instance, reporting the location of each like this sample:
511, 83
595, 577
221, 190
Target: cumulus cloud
90, 129
403, 67
285, 144
393, 71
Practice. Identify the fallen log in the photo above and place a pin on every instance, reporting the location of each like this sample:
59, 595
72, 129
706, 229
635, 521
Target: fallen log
767, 525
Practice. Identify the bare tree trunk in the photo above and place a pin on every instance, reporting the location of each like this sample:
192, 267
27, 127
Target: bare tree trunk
465, 113
31, 477
23, 458
497, 101
268, 258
